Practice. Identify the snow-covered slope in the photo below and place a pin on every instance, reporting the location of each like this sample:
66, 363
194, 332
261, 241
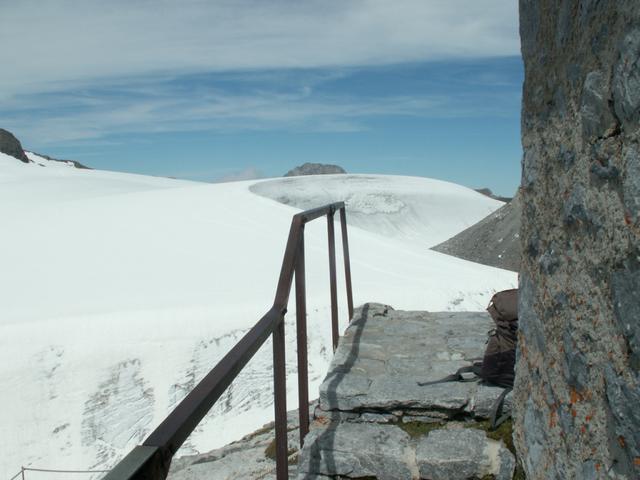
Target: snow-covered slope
118, 292
421, 210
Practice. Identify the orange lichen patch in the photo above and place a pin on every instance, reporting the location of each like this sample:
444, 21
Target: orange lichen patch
575, 396
636, 461
573, 412
553, 418
627, 218
621, 441
598, 467
319, 421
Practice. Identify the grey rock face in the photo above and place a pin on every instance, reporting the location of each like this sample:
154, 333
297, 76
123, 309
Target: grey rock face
314, 169
463, 453
494, 240
577, 372
10, 145
597, 118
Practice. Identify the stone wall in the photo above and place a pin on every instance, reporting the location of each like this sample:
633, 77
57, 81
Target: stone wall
577, 391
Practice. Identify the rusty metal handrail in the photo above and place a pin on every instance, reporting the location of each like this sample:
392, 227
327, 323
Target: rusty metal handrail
152, 459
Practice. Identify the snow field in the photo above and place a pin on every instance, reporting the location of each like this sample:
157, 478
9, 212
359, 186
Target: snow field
119, 292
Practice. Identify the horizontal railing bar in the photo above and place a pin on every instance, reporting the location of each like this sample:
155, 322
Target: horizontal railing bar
175, 429
141, 456
309, 215
290, 254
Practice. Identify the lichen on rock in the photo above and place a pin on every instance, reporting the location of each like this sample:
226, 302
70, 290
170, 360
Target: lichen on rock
577, 368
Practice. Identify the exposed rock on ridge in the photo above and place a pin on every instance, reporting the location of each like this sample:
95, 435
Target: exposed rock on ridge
315, 169
490, 194
10, 145
69, 162
577, 379
494, 240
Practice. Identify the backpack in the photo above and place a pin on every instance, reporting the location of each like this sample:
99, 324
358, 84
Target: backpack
498, 363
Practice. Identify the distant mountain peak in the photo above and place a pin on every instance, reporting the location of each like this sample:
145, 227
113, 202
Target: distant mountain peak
315, 169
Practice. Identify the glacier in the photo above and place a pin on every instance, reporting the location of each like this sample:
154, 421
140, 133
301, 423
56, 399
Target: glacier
119, 292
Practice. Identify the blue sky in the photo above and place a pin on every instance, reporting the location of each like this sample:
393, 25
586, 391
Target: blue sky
229, 90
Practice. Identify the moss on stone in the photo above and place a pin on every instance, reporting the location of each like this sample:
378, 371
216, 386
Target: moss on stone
503, 433
418, 429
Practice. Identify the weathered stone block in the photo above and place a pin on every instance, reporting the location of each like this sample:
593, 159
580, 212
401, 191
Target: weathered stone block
356, 450
463, 453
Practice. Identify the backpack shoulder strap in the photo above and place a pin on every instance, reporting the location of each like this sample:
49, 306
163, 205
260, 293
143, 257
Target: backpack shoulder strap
455, 377
496, 411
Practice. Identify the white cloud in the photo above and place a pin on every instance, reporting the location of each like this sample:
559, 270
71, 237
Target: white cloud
63, 44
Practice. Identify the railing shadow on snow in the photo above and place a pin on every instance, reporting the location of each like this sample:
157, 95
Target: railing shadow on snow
152, 459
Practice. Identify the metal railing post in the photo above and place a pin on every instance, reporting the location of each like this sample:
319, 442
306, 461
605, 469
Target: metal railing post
280, 401
152, 459
332, 279
347, 260
301, 330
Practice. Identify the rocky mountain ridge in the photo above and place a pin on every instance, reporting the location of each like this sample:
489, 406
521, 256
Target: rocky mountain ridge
10, 145
314, 169
489, 193
494, 240
73, 163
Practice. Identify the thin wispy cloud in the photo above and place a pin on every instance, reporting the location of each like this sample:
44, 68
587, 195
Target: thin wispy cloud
67, 43
173, 109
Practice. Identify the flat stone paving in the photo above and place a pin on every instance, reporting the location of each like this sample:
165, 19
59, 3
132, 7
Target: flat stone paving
372, 390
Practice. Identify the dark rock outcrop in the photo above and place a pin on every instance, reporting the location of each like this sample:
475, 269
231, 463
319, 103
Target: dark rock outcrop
10, 145
315, 169
493, 241
490, 194
577, 385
